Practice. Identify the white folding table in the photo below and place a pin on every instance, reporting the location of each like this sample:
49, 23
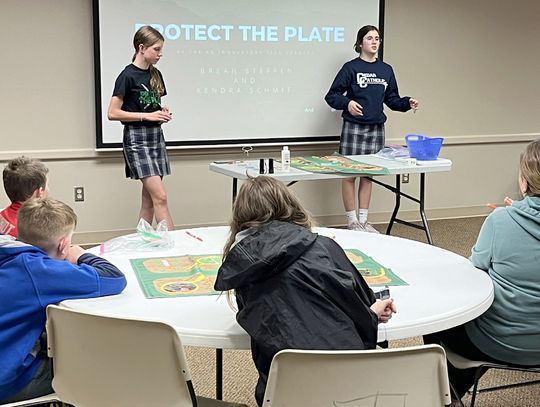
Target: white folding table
242, 170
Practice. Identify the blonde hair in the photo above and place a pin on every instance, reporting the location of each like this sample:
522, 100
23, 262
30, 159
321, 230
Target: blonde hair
22, 176
529, 168
42, 222
262, 200
148, 36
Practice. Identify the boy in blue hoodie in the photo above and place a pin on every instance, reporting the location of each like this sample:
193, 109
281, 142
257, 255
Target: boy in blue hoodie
41, 268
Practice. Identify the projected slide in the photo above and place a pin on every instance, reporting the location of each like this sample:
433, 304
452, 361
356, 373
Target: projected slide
236, 71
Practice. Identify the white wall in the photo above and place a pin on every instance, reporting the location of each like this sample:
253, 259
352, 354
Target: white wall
467, 62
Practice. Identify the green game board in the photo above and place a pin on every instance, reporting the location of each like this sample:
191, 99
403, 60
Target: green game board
184, 276
335, 164
375, 274
179, 276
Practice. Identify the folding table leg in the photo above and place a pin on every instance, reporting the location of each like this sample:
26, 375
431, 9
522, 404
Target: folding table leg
219, 374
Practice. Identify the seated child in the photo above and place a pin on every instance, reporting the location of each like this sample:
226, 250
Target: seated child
508, 249
42, 268
294, 288
24, 178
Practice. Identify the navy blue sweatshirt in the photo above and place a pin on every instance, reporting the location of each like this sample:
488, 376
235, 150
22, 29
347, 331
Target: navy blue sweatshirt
369, 83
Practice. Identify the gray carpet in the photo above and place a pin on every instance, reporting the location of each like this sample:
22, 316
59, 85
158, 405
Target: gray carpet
240, 376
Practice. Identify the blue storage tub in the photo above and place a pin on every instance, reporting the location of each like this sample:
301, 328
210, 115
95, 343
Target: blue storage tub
423, 148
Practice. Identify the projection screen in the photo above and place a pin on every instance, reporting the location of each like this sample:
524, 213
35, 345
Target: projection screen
237, 72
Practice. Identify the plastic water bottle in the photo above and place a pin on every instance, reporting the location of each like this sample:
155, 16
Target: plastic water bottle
285, 159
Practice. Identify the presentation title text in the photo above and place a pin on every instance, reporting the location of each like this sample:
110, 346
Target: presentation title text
249, 33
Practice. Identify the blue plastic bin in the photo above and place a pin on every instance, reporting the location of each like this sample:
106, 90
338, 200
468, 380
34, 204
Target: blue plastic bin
423, 148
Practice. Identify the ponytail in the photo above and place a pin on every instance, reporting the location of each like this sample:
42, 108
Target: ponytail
156, 83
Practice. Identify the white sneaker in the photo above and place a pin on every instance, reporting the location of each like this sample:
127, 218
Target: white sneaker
355, 226
368, 227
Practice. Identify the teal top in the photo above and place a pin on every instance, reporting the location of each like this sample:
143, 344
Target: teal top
508, 249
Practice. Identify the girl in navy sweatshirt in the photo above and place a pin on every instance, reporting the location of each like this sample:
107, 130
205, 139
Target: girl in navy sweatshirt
360, 89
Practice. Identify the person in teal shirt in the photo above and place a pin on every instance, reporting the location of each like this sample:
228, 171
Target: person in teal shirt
508, 249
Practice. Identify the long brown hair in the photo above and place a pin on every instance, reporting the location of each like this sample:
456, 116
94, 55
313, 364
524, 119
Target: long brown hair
262, 200
148, 36
529, 168
259, 201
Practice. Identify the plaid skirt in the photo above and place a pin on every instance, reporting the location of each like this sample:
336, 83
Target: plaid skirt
145, 153
357, 139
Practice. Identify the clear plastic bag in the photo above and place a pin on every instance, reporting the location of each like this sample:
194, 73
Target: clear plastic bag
393, 151
146, 239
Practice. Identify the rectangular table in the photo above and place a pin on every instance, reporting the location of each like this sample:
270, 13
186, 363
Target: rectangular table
241, 170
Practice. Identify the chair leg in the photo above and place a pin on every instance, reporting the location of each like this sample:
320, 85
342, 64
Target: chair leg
455, 395
477, 375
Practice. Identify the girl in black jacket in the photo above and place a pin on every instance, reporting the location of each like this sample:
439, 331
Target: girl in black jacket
294, 289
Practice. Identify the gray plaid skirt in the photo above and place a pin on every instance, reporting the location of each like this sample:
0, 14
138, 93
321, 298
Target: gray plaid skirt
145, 154
357, 139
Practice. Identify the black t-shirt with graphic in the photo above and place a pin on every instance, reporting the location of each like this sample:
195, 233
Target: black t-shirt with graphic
133, 86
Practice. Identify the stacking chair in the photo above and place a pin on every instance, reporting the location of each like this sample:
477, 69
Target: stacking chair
50, 400
460, 362
412, 377
101, 361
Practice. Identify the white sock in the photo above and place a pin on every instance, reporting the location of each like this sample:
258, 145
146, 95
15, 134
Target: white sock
362, 215
351, 217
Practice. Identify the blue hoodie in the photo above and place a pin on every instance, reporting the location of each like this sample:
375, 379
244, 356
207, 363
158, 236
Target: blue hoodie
29, 282
508, 249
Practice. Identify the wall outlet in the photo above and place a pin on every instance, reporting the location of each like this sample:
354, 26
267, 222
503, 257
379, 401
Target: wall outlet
404, 178
78, 194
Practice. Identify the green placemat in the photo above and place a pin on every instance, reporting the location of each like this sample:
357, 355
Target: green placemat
178, 276
335, 164
185, 276
375, 274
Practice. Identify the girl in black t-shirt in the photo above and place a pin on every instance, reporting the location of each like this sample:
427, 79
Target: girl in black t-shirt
136, 102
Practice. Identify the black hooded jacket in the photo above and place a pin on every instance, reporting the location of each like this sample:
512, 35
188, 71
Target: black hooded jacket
296, 290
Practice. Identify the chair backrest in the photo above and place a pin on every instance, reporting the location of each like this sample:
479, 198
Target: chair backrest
101, 361
50, 400
405, 377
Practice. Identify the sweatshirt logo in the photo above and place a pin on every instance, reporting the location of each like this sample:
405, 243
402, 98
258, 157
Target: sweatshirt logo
365, 79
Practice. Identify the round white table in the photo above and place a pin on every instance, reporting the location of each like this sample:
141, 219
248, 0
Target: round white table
444, 289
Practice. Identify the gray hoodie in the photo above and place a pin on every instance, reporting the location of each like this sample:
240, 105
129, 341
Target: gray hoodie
508, 249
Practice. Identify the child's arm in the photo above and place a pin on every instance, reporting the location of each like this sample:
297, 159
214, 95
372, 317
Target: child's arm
116, 113
108, 273
335, 96
481, 253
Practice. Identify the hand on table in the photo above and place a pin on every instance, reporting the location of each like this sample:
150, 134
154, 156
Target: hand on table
384, 309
